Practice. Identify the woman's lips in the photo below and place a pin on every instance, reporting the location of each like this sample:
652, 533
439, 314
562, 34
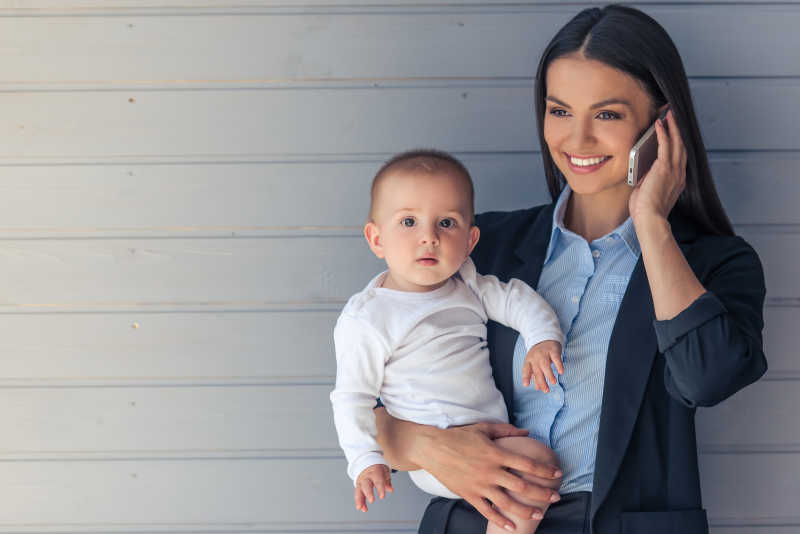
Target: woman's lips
585, 169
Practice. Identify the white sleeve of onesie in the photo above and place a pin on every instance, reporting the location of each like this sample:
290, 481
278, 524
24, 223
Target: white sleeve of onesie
514, 304
361, 355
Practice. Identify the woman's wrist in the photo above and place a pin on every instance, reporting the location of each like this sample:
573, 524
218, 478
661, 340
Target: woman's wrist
425, 437
651, 225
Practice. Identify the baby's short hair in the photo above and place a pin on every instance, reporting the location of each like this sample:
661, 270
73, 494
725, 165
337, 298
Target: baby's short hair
427, 160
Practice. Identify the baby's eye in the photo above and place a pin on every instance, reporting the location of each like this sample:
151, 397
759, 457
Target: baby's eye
408, 221
447, 223
607, 115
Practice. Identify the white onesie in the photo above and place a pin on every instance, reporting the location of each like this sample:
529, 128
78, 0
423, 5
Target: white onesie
425, 356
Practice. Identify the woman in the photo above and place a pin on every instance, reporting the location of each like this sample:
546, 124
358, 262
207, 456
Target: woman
660, 302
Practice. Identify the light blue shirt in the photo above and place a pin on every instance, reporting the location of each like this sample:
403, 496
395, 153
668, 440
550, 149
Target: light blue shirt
584, 283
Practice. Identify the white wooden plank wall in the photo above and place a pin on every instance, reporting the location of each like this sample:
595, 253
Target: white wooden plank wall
182, 186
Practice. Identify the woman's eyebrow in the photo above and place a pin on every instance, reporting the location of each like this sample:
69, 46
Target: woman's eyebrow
606, 102
609, 101
556, 101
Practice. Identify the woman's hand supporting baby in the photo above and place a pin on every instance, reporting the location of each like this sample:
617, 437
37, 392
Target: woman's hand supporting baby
469, 463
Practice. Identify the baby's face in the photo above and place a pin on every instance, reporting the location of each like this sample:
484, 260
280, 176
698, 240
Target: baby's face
422, 228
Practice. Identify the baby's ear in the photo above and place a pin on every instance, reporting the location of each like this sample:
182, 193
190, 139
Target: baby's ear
373, 236
474, 235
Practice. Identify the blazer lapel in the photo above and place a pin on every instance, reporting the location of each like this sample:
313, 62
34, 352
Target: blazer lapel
631, 353
530, 251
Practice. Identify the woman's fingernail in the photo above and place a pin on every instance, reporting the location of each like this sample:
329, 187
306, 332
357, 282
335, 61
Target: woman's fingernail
509, 528
537, 515
555, 497
558, 473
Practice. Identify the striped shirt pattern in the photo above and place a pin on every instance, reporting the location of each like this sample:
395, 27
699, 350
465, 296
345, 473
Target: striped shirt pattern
584, 283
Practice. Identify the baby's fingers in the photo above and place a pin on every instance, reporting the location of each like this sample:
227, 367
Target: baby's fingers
541, 383
358, 497
527, 371
384, 484
548, 372
555, 357
367, 487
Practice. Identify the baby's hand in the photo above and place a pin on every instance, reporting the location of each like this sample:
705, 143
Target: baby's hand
375, 476
537, 364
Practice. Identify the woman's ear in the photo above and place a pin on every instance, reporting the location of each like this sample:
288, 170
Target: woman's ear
373, 236
474, 235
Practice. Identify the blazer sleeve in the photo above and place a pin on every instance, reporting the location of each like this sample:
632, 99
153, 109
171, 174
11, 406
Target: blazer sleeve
713, 348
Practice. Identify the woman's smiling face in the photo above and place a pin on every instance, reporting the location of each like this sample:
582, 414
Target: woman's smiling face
594, 114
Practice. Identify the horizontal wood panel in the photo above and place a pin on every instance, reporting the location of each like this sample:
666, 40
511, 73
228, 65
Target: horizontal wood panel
782, 340
197, 198
289, 420
115, 348
232, 347
195, 495
773, 249
751, 487
746, 421
179, 495
17, 7
501, 41
758, 529
131, 422
481, 118
138, 273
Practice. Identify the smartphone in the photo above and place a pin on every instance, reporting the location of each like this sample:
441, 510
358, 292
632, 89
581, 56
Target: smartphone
643, 153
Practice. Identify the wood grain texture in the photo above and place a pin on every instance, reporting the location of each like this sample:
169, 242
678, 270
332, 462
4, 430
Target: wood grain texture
482, 118
63, 422
94, 349
195, 495
263, 197
223, 347
498, 41
142, 273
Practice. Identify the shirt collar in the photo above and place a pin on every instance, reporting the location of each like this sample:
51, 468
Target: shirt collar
558, 221
625, 231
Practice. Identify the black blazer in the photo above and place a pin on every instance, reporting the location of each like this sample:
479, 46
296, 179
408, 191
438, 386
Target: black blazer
646, 477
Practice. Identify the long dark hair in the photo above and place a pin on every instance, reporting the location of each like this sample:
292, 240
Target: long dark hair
631, 41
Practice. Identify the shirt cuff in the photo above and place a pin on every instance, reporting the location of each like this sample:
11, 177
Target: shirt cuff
703, 309
531, 340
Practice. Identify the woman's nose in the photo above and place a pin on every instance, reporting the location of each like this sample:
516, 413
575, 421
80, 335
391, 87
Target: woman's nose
582, 134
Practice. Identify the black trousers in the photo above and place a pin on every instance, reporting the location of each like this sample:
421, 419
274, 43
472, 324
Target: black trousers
570, 515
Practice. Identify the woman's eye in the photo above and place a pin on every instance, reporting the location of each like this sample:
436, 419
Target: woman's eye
407, 221
558, 112
607, 115
447, 223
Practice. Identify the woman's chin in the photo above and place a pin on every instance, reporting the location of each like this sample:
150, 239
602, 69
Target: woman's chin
584, 185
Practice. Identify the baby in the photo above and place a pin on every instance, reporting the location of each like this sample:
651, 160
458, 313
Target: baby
416, 335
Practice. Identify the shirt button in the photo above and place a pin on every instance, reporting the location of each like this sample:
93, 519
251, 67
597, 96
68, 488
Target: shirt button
596, 253
575, 299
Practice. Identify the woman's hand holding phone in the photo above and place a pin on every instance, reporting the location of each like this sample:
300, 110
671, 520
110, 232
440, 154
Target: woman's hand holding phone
657, 193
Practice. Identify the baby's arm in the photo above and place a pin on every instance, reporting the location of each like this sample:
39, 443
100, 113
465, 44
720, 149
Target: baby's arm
360, 358
514, 304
